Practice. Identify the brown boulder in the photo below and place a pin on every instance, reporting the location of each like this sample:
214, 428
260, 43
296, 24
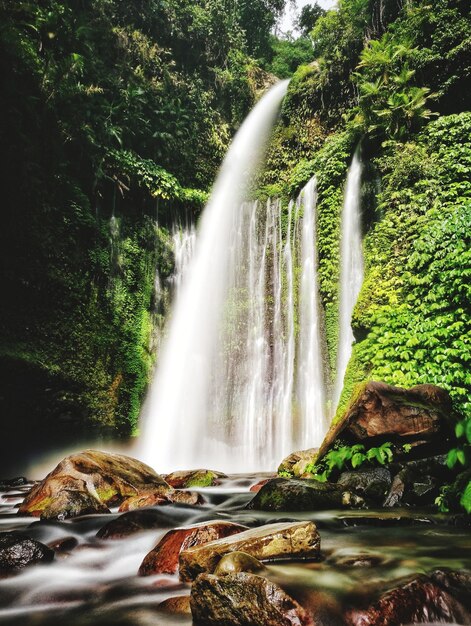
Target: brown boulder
243, 600
266, 543
158, 498
297, 462
87, 481
131, 523
194, 478
417, 601
176, 605
382, 412
163, 559
235, 562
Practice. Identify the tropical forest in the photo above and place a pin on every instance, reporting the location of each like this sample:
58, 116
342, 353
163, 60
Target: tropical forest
235, 325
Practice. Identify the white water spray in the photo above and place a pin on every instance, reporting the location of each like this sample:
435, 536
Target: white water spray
351, 269
178, 428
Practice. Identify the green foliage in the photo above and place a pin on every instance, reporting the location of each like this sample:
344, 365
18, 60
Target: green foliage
288, 55
350, 457
285, 474
310, 14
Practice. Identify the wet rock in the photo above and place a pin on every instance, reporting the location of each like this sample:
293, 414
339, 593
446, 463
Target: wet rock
381, 412
87, 481
194, 478
236, 562
457, 583
11, 483
283, 494
350, 558
244, 600
130, 523
422, 491
163, 559
65, 544
398, 487
271, 542
374, 484
177, 605
296, 462
417, 601
256, 488
17, 551
143, 500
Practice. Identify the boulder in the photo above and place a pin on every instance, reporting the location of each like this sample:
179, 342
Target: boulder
380, 412
163, 558
11, 483
296, 462
256, 488
88, 481
176, 605
299, 494
17, 551
158, 498
131, 523
417, 601
243, 600
295, 540
235, 562
372, 483
194, 478
457, 583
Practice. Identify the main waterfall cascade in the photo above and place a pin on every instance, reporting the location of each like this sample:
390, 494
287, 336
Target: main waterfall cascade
351, 268
241, 381
179, 428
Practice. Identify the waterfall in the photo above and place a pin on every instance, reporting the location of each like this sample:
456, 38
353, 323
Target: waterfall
351, 268
310, 374
180, 425
183, 243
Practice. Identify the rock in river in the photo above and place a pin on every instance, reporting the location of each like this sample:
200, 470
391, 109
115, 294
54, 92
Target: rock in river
271, 542
244, 600
17, 551
88, 481
194, 478
283, 494
381, 412
163, 559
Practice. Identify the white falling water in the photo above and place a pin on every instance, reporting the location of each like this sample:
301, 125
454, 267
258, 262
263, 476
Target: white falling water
351, 268
179, 428
183, 240
310, 374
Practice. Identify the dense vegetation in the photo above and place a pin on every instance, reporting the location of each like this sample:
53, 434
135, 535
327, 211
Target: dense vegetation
115, 117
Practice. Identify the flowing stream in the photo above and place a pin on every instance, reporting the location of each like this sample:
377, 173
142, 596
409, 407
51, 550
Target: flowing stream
351, 268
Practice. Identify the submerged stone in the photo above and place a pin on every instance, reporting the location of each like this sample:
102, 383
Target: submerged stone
130, 523
244, 600
283, 494
176, 605
421, 600
194, 478
86, 482
164, 557
295, 540
17, 551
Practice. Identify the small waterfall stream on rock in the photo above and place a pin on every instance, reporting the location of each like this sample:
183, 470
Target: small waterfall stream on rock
351, 268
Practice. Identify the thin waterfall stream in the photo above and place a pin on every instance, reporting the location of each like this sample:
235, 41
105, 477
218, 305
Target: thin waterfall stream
351, 268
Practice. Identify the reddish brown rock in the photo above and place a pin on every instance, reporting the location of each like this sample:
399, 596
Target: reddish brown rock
270, 542
177, 605
63, 545
418, 601
131, 523
163, 559
381, 412
244, 600
157, 499
194, 478
256, 488
235, 562
87, 482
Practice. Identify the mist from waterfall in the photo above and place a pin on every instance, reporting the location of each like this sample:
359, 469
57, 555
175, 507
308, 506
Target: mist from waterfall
351, 268
180, 425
